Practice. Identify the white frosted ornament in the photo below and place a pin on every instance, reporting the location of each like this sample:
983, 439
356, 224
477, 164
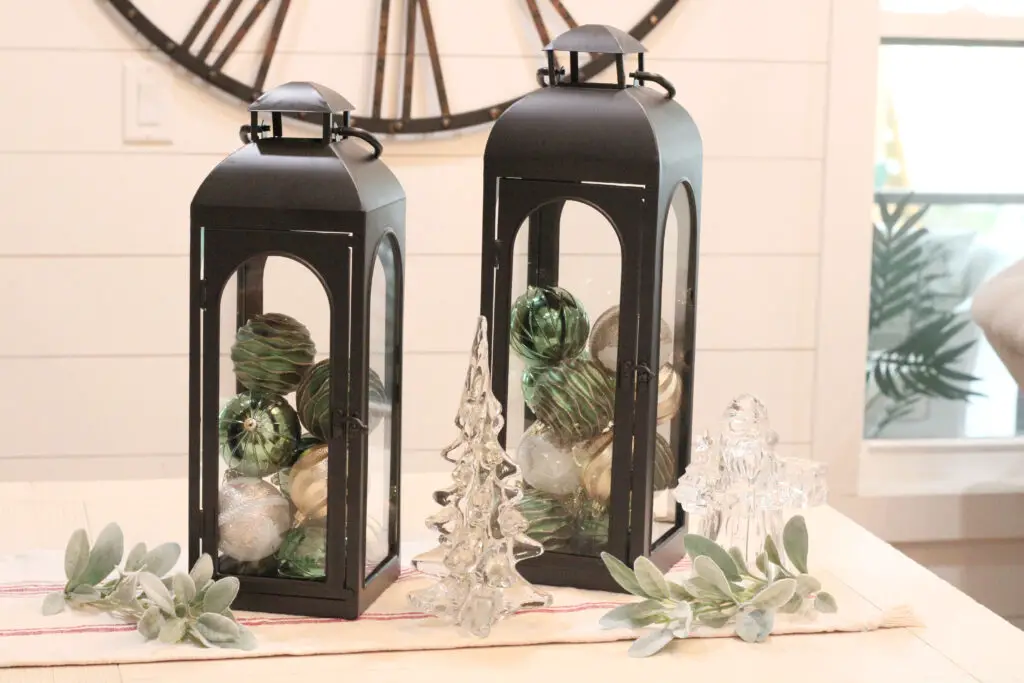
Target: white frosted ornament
254, 517
545, 466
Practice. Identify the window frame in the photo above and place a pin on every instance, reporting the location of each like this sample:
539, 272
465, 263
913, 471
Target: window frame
906, 491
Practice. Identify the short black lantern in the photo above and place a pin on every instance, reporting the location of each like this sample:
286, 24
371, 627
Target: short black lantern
592, 314
294, 435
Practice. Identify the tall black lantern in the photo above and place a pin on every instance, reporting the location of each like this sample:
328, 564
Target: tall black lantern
592, 307
295, 414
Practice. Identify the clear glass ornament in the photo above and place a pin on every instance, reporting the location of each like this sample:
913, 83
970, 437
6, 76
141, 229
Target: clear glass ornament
482, 533
738, 490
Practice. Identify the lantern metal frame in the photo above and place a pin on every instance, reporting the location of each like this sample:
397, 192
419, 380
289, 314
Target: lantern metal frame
623, 149
330, 205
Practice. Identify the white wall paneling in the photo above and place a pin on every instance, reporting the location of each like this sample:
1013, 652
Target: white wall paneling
97, 240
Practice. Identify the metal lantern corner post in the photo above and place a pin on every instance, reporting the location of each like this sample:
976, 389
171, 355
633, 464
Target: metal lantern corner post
280, 455
607, 400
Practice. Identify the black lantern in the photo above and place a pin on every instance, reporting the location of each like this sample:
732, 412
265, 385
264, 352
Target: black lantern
294, 436
593, 331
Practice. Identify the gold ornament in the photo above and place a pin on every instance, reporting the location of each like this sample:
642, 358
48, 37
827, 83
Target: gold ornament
308, 483
597, 475
604, 340
670, 393
253, 519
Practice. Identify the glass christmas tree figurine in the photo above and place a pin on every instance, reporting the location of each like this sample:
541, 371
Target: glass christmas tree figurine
482, 531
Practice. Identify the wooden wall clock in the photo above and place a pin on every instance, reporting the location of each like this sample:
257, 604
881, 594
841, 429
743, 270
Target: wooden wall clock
220, 26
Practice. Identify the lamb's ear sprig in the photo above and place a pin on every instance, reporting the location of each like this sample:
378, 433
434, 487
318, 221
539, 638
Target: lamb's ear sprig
723, 590
170, 608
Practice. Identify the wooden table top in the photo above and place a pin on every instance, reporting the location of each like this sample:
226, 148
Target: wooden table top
961, 640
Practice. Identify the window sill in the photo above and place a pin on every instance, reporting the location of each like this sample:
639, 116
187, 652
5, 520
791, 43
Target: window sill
940, 490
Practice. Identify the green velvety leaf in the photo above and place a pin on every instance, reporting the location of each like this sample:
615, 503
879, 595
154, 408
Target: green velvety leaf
737, 557
245, 640
76, 556
83, 593
824, 602
184, 588
156, 592
774, 595
698, 545
623, 575
172, 631
806, 585
632, 615
134, 561
677, 591
794, 539
714, 619
651, 580
127, 589
708, 570
151, 623
220, 595
162, 559
793, 605
104, 556
772, 551
202, 572
53, 603
217, 628
650, 643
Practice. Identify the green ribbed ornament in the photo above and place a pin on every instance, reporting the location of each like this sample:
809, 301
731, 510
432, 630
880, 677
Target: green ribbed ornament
548, 325
550, 522
272, 352
258, 434
592, 536
665, 476
313, 400
575, 399
303, 553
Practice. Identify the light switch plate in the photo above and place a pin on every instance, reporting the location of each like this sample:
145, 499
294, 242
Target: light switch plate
148, 107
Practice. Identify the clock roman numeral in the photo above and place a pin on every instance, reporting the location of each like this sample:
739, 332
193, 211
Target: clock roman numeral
414, 10
269, 47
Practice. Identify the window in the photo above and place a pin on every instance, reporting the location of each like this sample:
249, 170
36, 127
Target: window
948, 216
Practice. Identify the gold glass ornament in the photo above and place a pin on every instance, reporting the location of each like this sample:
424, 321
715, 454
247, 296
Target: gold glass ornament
670, 393
597, 474
307, 483
604, 340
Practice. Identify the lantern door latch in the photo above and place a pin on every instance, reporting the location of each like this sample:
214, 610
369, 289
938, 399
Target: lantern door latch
346, 423
640, 371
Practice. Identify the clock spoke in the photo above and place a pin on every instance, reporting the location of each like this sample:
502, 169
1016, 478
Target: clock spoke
410, 58
271, 45
538, 22
382, 50
218, 29
199, 23
564, 13
234, 41
435, 59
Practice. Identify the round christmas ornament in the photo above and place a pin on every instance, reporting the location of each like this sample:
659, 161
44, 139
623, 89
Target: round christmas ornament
548, 325
670, 393
592, 535
549, 521
544, 465
307, 483
303, 553
272, 352
597, 475
575, 399
604, 340
253, 518
283, 478
258, 433
313, 400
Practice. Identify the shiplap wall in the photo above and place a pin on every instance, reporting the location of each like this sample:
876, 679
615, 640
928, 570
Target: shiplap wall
93, 260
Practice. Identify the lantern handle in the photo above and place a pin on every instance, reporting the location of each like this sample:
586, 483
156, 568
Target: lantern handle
247, 135
544, 72
365, 136
670, 90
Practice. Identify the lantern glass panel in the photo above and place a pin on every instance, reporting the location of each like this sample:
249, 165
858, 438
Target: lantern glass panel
381, 500
561, 385
673, 373
273, 422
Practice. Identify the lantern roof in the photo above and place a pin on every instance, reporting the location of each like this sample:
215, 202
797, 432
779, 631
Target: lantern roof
597, 38
301, 96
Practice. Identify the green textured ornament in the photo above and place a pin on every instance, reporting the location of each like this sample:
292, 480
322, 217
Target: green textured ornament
550, 522
592, 535
548, 325
303, 553
272, 352
258, 434
575, 399
313, 400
